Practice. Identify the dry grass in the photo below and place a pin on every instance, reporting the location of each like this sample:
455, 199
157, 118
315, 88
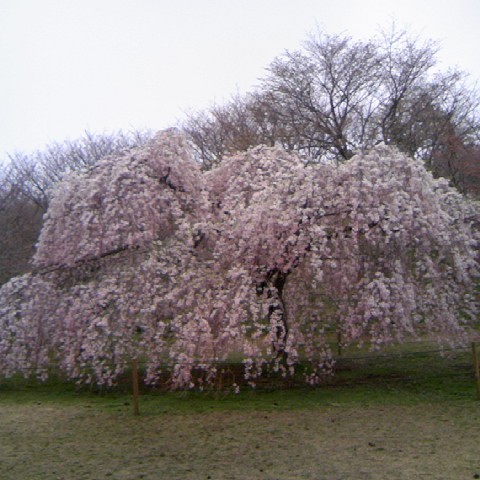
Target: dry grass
48, 441
411, 417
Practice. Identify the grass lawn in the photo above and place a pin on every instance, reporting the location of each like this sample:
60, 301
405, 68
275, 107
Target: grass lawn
409, 418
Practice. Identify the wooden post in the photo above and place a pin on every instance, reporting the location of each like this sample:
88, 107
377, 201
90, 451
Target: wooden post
339, 343
136, 410
477, 368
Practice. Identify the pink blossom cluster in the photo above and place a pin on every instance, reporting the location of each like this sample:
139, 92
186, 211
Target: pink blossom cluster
147, 257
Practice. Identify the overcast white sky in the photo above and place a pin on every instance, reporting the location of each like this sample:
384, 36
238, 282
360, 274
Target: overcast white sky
102, 65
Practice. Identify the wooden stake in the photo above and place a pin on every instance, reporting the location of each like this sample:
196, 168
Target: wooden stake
477, 368
136, 410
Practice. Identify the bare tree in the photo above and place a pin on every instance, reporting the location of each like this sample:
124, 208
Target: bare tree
241, 123
326, 93
337, 95
459, 162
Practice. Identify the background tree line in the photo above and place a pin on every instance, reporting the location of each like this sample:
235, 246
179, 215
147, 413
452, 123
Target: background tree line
337, 95
334, 96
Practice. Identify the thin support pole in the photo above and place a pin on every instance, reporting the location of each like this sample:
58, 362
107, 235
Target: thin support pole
476, 364
136, 410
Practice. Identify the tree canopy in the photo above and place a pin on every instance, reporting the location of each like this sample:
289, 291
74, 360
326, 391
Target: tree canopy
145, 256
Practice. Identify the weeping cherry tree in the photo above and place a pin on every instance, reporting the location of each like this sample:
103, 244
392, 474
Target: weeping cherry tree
147, 257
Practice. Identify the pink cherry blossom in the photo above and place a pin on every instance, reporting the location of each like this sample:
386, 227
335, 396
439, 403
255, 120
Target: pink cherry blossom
145, 256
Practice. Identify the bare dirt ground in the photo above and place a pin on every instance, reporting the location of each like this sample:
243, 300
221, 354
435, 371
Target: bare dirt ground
424, 441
